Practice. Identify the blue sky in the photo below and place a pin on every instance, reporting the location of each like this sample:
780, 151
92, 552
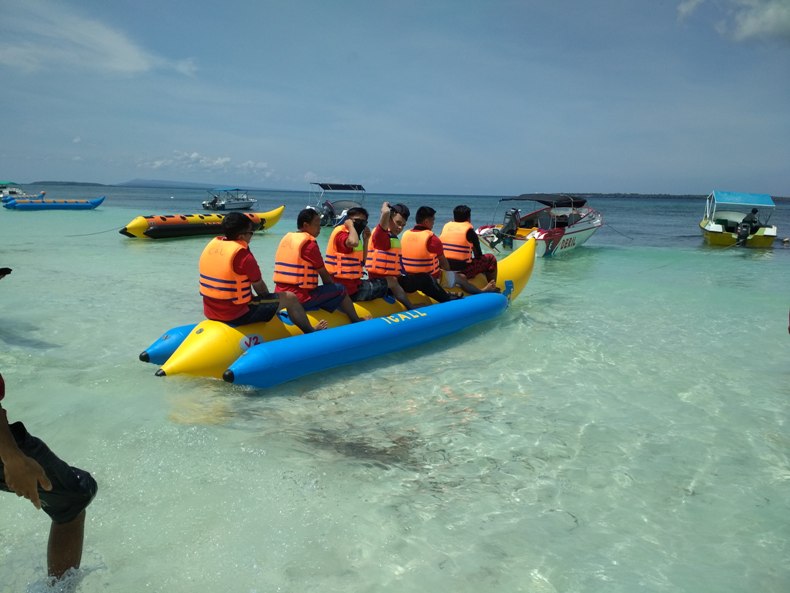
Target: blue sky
444, 96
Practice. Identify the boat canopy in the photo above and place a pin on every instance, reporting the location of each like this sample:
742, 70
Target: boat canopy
729, 198
553, 200
339, 186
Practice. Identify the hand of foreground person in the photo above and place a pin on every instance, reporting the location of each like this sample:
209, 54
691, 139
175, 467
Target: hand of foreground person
23, 475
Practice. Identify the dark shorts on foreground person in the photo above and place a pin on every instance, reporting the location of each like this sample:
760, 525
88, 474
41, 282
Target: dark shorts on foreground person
326, 296
262, 308
374, 288
72, 488
481, 265
425, 283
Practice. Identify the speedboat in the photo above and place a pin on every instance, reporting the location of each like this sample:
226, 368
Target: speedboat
333, 200
561, 223
228, 198
171, 226
9, 191
723, 224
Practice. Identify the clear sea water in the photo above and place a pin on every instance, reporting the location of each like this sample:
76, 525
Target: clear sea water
622, 427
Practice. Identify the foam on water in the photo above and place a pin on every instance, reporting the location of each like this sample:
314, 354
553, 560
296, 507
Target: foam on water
622, 427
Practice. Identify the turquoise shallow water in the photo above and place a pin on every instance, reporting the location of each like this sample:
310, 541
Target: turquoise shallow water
622, 427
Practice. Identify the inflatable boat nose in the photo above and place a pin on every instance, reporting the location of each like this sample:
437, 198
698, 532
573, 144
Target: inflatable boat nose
228, 376
144, 356
160, 373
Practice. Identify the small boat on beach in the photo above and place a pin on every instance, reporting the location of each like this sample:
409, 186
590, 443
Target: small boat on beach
561, 223
736, 218
171, 226
44, 204
229, 198
332, 200
277, 352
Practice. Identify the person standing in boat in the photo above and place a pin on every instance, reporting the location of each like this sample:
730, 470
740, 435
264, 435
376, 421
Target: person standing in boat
298, 265
462, 246
423, 253
29, 469
753, 220
346, 254
229, 273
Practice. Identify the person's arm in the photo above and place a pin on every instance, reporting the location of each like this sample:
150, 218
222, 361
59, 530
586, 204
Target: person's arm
384, 219
22, 474
472, 237
352, 239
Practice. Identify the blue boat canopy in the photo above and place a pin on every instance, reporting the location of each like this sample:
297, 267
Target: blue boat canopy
741, 199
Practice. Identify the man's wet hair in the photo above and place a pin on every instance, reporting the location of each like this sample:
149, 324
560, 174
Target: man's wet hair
401, 209
356, 210
424, 212
462, 213
235, 223
306, 216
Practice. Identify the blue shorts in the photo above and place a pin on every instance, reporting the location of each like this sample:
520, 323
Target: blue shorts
375, 288
72, 488
326, 296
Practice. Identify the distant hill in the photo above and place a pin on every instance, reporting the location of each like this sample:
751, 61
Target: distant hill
66, 183
163, 183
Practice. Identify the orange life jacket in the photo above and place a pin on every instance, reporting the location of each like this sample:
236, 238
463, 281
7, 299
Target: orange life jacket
289, 267
218, 280
456, 245
344, 265
385, 262
415, 256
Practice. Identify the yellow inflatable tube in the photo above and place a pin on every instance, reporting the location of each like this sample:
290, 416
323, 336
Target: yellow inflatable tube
169, 226
212, 346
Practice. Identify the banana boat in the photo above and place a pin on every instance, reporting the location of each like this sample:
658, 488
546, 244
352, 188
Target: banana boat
211, 347
169, 226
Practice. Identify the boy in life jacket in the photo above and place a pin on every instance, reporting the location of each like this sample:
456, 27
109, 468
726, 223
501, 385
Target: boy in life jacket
229, 273
29, 469
423, 253
298, 265
462, 246
384, 255
346, 255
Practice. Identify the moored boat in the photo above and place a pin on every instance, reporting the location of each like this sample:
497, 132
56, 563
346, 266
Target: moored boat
44, 204
229, 198
561, 223
332, 200
9, 191
211, 347
736, 218
170, 226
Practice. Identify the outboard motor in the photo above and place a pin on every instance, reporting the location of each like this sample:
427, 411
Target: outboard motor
327, 214
744, 229
509, 226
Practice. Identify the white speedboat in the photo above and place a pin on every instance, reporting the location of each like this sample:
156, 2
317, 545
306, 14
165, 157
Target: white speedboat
561, 223
229, 198
9, 191
735, 218
332, 200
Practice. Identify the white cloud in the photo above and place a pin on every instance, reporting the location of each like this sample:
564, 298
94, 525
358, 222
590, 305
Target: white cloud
39, 35
746, 20
195, 161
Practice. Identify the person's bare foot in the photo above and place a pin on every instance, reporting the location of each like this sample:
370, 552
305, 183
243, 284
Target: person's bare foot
321, 325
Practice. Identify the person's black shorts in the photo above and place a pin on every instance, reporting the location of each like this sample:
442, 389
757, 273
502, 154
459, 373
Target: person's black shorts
375, 288
72, 488
262, 308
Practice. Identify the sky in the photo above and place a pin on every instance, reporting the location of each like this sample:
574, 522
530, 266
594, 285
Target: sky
465, 97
